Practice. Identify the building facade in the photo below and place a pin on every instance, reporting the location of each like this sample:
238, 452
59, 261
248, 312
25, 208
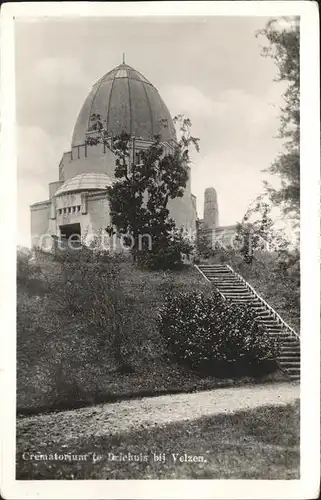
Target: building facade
77, 203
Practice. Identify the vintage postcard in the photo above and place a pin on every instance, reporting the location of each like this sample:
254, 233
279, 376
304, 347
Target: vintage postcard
160, 291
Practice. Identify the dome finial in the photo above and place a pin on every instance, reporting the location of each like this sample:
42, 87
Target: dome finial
123, 57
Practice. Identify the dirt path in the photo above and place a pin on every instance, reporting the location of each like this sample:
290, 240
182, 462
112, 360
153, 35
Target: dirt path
125, 416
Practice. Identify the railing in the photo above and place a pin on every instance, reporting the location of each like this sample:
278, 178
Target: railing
267, 306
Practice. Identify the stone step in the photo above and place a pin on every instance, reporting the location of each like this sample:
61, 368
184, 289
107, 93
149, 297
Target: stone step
229, 286
219, 272
269, 322
235, 294
226, 284
281, 336
241, 295
213, 266
290, 358
291, 367
288, 349
236, 299
265, 316
221, 276
245, 301
287, 344
291, 370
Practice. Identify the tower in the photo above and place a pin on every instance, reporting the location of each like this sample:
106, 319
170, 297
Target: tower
211, 218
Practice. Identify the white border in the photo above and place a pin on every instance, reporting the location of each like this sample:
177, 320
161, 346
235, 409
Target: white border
307, 486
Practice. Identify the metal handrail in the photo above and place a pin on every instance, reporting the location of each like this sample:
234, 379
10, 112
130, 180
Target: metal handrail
274, 313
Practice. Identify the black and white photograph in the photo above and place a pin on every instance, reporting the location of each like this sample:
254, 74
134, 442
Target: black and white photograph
159, 261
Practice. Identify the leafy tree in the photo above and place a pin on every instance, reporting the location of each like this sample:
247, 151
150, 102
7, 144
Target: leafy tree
257, 231
283, 37
140, 194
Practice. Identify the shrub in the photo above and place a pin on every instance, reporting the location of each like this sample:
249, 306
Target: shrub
167, 253
215, 337
29, 273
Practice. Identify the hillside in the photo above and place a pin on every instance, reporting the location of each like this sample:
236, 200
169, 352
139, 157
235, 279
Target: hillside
68, 352
63, 361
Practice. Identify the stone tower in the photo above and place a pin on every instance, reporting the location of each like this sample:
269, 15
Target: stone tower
211, 220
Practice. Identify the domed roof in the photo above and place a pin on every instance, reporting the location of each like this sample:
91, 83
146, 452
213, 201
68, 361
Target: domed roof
128, 102
84, 182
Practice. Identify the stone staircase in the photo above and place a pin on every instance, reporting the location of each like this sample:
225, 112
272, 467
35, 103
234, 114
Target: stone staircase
233, 287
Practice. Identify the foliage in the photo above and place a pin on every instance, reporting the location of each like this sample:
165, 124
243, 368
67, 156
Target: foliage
168, 252
214, 336
140, 194
29, 273
91, 292
204, 245
258, 232
283, 37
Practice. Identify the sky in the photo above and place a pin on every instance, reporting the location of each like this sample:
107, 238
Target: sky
210, 69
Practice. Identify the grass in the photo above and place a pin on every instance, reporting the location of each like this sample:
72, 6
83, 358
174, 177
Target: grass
63, 363
257, 444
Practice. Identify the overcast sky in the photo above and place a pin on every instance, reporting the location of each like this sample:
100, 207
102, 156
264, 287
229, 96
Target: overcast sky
210, 69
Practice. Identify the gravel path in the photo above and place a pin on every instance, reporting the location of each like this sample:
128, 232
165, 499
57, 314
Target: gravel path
125, 416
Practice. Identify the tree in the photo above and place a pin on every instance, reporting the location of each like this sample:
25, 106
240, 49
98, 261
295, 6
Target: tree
257, 231
283, 37
139, 196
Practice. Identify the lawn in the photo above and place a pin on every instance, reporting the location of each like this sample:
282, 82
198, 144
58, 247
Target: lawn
256, 444
65, 363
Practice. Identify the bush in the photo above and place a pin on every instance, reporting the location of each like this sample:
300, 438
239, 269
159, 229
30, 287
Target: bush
29, 273
167, 253
215, 337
